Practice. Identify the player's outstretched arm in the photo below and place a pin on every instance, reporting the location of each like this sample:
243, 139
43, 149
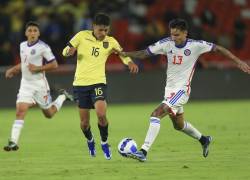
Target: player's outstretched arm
47, 67
240, 64
13, 71
134, 54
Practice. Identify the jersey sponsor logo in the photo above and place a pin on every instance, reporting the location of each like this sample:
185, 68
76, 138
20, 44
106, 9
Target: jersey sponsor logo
187, 52
33, 51
105, 44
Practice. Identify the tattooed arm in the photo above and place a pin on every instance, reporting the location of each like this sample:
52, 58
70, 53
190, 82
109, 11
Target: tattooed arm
240, 64
135, 54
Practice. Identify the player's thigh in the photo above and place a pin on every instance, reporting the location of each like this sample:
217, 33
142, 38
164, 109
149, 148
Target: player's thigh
21, 109
84, 114
43, 98
98, 97
175, 99
82, 95
99, 92
100, 107
26, 94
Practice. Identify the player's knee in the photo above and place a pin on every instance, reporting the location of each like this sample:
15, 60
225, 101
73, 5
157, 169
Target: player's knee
84, 123
177, 127
155, 114
20, 114
48, 115
102, 120
84, 126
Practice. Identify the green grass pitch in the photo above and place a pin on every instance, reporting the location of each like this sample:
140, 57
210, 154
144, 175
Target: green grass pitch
54, 149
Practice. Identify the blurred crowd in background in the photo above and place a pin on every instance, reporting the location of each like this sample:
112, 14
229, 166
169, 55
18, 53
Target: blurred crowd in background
135, 24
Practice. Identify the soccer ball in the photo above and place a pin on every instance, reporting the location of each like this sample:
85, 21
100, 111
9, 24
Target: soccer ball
126, 146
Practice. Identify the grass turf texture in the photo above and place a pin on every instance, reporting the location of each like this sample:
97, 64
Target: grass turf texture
54, 149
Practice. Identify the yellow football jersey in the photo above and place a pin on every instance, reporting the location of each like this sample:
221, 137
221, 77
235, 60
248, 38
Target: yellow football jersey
92, 55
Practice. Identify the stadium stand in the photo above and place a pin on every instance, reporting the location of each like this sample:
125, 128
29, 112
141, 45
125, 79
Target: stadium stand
136, 24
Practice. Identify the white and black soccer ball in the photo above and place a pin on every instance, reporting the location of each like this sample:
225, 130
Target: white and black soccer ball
126, 146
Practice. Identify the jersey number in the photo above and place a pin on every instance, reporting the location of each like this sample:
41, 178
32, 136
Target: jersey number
95, 51
177, 59
98, 91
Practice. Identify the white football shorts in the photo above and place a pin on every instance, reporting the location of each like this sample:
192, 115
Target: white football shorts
175, 99
35, 92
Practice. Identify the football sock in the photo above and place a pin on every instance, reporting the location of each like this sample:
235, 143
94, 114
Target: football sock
153, 131
144, 152
191, 131
88, 134
16, 130
203, 140
59, 101
103, 132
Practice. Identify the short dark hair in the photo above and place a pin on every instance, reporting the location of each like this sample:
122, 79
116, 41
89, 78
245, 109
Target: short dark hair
31, 23
180, 24
102, 19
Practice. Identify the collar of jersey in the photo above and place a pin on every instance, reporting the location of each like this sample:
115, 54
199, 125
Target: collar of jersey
97, 39
182, 45
32, 44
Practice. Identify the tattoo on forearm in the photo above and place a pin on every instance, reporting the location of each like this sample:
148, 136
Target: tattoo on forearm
138, 54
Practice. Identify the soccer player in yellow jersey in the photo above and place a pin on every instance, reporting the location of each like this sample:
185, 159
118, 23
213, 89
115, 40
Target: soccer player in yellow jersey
93, 48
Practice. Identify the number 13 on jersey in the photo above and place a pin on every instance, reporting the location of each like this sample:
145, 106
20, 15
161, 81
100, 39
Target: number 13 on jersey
177, 59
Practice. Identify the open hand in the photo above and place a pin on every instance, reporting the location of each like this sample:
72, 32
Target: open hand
244, 67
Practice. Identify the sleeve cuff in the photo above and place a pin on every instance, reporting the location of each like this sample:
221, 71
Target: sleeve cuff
149, 52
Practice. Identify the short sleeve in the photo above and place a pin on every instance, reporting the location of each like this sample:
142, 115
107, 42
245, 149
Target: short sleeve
76, 39
48, 54
117, 46
205, 46
156, 48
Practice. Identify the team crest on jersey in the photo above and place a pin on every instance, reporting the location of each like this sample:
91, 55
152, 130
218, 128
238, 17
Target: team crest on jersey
105, 45
187, 52
33, 51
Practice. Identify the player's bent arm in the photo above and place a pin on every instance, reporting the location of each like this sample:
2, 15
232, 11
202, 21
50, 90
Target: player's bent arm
136, 54
240, 64
13, 71
68, 51
50, 66
47, 67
